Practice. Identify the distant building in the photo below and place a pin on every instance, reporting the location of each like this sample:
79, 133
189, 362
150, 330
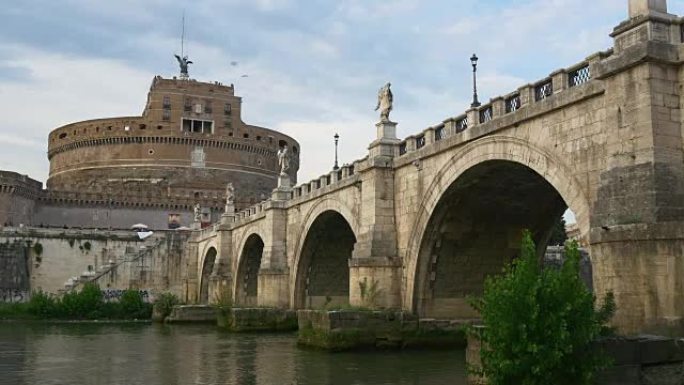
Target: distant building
189, 142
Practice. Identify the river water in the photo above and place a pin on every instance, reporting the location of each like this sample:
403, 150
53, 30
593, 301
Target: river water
92, 354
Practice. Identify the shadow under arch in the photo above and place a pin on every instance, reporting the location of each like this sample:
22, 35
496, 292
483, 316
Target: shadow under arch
207, 269
247, 277
469, 222
322, 268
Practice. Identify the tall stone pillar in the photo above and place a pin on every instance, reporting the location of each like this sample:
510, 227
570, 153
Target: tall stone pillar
191, 282
375, 269
274, 283
221, 280
637, 223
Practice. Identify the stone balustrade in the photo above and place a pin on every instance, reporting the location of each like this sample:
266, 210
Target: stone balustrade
499, 106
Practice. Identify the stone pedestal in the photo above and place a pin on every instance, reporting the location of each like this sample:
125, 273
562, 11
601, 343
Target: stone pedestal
196, 226
386, 130
284, 181
646, 7
274, 288
387, 143
375, 282
281, 194
228, 215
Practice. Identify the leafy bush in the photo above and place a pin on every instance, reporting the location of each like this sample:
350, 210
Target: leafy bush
540, 324
132, 306
165, 303
86, 304
42, 305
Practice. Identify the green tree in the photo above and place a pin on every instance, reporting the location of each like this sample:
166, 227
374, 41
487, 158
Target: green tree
540, 324
558, 234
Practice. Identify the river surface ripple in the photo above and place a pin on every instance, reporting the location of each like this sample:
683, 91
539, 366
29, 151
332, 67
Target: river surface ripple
107, 354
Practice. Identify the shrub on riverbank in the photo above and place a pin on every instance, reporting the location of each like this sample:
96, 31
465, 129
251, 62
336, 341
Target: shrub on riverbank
164, 305
87, 304
540, 323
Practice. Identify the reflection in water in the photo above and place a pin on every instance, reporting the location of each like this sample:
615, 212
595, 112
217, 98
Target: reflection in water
77, 354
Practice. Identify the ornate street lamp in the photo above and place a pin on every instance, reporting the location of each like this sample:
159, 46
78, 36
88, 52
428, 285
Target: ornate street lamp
337, 139
473, 61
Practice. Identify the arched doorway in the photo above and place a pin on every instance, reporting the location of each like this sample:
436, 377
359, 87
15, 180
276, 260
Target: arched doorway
475, 229
323, 272
207, 269
248, 272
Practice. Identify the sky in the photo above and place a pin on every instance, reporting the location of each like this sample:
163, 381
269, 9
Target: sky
313, 66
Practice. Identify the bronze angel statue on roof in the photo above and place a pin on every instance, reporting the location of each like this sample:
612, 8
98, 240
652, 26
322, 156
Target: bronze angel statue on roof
183, 62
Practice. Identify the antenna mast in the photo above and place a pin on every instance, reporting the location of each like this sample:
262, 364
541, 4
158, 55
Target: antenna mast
183, 61
183, 37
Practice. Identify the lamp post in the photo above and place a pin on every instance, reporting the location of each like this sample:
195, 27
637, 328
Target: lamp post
473, 61
337, 139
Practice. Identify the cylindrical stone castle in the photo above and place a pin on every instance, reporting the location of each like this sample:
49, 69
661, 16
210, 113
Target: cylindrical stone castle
188, 144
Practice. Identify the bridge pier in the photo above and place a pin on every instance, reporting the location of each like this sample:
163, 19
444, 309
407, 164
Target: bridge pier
637, 219
374, 270
274, 288
375, 282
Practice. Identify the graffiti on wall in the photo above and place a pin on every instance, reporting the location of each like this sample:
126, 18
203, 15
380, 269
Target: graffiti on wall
14, 295
114, 295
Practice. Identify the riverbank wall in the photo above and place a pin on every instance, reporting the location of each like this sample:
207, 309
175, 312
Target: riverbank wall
55, 260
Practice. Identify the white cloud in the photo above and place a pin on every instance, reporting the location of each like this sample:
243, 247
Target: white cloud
63, 90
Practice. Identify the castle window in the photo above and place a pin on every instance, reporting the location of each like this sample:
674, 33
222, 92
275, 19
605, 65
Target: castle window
227, 109
62, 135
227, 124
143, 126
207, 107
160, 127
258, 137
167, 102
230, 134
127, 128
246, 136
188, 105
166, 115
197, 126
198, 108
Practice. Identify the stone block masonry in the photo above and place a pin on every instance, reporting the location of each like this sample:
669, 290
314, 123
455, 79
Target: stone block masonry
248, 320
34, 259
353, 330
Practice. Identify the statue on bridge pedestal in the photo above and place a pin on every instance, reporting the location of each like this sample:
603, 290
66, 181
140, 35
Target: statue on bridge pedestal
385, 100
230, 194
284, 163
197, 214
284, 160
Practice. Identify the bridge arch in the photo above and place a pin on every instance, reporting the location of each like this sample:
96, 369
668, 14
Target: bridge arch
247, 272
208, 263
321, 263
479, 201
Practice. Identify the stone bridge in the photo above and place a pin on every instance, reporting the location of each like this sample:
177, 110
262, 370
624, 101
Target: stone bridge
419, 223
